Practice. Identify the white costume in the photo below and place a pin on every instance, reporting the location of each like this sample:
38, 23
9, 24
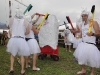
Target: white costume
86, 52
33, 45
67, 32
48, 34
17, 44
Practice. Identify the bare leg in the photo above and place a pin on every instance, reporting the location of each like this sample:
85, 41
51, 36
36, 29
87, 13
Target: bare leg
92, 71
82, 71
22, 64
66, 47
11, 62
69, 48
34, 62
27, 60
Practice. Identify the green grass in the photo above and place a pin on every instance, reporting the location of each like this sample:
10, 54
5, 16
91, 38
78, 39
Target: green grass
65, 65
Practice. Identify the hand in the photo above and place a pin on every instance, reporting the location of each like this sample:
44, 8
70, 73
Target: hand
37, 14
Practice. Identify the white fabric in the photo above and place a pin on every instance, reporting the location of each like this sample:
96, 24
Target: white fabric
77, 39
48, 34
76, 42
31, 34
84, 11
70, 37
87, 54
85, 37
18, 13
18, 28
28, 18
68, 43
66, 32
11, 20
18, 46
33, 45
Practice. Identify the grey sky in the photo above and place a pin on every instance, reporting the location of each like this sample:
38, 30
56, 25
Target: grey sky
63, 8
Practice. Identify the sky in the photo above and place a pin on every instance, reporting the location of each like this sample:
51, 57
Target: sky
63, 8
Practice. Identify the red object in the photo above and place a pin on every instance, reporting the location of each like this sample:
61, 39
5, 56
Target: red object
40, 14
48, 50
68, 19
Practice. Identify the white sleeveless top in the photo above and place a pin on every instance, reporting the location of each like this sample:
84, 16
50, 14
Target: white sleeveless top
31, 34
18, 28
85, 37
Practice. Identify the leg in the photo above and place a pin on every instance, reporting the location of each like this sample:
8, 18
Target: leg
4, 42
27, 60
69, 48
82, 71
34, 62
66, 46
22, 65
92, 71
11, 62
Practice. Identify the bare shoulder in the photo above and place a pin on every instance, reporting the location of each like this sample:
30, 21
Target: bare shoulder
95, 23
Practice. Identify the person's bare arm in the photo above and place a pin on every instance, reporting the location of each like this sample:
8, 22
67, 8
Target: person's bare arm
96, 29
36, 20
35, 30
33, 15
27, 27
78, 29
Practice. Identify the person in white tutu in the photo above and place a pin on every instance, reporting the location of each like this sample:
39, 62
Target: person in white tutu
17, 44
86, 52
34, 47
66, 41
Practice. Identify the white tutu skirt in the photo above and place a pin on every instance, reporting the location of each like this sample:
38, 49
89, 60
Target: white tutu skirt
18, 46
87, 54
34, 47
76, 42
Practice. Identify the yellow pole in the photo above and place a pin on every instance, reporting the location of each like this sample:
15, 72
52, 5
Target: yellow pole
91, 20
38, 27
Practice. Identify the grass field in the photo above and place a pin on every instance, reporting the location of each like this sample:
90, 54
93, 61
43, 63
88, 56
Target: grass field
65, 65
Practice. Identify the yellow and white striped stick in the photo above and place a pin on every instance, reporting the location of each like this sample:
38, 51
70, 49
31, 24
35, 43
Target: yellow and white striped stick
42, 21
91, 20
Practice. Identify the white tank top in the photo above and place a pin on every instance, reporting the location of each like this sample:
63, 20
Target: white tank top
31, 34
18, 28
85, 37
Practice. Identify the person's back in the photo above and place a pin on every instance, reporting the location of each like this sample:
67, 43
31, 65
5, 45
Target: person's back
18, 28
17, 44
